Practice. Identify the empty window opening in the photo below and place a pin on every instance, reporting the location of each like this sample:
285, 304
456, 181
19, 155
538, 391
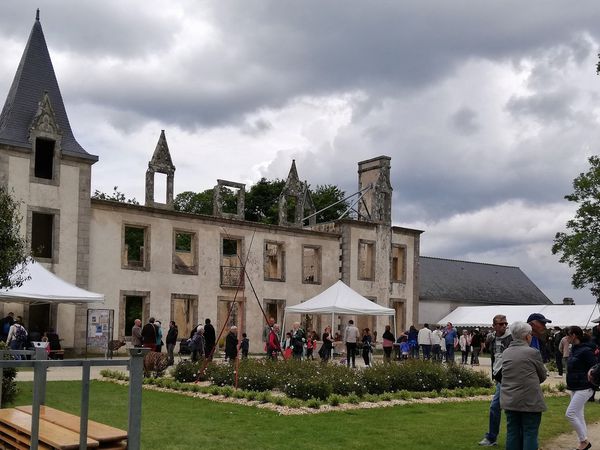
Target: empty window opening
229, 199
160, 188
311, 265
44, 158
398, 263
42, 230
185, 252
274, 261
134, 305
291, 203
185, 314
366, 260
231, 271
135, 241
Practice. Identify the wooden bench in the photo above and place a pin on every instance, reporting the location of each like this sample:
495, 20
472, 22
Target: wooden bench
107, 436
15, 430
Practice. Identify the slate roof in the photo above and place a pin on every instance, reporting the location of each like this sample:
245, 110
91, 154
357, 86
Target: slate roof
35, 75
477, 283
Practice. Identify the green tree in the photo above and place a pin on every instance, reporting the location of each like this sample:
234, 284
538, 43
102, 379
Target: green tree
116, 196
579, 247
262, 201
194, 202
13, 248
326, 195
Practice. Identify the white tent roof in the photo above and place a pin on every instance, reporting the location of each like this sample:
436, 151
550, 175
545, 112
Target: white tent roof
560, 315
340, 299
45, 287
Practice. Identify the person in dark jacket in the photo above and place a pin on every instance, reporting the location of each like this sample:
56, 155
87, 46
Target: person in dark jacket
231, 344
197, 344
172, 341
210, 338
149, 335
367, 347
578, 365
327, 346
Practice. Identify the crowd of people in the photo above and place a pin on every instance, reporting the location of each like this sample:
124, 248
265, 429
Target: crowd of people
17, 337
518, 369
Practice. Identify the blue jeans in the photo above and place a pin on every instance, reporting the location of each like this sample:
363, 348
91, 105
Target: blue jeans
522, 430
449, 352
426, 351
495, 416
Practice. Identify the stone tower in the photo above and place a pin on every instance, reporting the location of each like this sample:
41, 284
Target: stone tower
161, 162
50, 172
376, 204
295, 201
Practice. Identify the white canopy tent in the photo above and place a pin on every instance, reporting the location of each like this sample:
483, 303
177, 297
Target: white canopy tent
339, 299
45, 287
560, 315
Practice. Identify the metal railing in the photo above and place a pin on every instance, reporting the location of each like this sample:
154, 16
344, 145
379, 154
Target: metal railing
40, 365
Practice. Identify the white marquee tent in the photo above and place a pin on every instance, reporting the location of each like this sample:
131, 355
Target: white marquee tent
560, 315
339, 299
45, 287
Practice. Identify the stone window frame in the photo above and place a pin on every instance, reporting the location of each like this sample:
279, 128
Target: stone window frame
191, 297
145, 307
240, 196
195, 250
55, 231
55, 181
392, 302
319, 251
403, 274
281, 256
239, 262
359, 276
147, 249
280, 304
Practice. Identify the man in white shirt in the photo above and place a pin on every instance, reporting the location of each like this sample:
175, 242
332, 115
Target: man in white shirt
436, 344
424, 340
351, 336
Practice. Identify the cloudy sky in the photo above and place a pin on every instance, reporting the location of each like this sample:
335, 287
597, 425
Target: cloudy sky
487, 109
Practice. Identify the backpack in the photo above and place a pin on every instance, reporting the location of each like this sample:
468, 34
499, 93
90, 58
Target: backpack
20, 334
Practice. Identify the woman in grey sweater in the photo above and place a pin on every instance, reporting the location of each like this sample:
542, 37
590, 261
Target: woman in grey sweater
521, 395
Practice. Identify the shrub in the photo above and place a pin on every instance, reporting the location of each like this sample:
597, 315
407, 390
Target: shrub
461, 377
257, 375
186, 371
334, 400
306, 388
420, 376
221, 374
313, 403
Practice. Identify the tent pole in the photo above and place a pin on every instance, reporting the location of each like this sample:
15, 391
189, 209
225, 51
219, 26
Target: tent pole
332, 347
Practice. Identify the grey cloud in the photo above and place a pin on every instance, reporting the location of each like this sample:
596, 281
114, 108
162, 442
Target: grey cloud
554, 106
465, 121
257, 127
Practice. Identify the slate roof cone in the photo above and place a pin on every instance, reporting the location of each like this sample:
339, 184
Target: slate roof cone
35, 76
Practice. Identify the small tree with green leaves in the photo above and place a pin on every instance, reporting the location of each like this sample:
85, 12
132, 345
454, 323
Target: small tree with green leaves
13, 248
116, 196
579, 247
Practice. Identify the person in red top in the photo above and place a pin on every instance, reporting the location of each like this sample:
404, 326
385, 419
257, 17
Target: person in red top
273, 345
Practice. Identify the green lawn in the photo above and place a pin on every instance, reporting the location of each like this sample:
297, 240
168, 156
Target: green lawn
172, 421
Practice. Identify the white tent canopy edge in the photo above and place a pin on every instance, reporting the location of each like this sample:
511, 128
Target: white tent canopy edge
45, 287
560, 315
